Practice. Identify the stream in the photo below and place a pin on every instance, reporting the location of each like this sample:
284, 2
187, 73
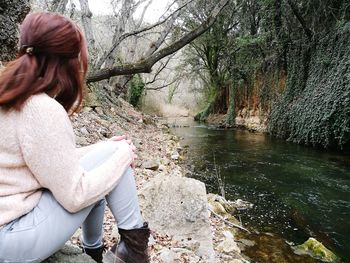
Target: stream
297, 192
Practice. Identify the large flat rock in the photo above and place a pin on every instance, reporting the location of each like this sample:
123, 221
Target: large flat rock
177, 206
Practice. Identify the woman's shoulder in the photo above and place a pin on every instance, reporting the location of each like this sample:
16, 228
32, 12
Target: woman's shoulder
43, 104
41, 113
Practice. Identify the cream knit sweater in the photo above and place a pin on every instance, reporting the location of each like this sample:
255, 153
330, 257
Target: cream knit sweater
37, 150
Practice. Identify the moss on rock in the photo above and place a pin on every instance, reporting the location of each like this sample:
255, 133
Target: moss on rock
316, 250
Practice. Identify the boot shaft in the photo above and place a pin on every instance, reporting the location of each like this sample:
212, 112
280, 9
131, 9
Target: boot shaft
137, 239
133, 246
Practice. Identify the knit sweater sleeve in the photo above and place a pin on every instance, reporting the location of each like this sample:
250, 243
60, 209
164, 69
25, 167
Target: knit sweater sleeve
81, 151
47, 142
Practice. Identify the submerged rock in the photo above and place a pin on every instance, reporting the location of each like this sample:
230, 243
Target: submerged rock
316, 250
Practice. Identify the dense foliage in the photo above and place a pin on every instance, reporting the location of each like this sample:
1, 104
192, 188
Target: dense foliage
315, 107
135, 91
288, 59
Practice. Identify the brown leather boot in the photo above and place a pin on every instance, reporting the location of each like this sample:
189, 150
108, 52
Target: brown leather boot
133, 245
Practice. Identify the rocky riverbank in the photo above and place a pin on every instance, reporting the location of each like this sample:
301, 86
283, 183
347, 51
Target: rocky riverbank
185, 228
246, 119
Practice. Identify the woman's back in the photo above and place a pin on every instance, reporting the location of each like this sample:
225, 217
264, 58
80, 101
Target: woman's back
19, 188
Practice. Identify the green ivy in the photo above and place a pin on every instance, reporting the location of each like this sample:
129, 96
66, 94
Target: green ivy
136, 88
315, 107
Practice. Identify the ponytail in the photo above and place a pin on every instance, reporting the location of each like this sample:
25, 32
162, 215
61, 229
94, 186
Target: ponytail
16, 81
52, 59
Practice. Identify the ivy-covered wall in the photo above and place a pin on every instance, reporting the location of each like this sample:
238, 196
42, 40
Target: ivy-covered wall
314, 109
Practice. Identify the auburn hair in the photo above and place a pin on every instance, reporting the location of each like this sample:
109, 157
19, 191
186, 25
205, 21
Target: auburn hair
52, 58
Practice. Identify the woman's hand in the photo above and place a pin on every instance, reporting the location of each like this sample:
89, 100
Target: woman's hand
118, 138
131, 145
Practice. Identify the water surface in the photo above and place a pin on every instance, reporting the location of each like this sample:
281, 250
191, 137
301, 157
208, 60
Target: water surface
297, 191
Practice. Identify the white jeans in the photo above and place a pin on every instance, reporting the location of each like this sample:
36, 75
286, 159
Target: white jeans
43, 231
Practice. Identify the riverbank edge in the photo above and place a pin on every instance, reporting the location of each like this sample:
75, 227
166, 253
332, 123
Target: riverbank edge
244, 120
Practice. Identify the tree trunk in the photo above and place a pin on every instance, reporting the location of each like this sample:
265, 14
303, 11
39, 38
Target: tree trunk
231, 112
123, 19
282, 49
87, 25
301, 20
12, 12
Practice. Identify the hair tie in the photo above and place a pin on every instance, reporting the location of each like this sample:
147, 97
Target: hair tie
28, 49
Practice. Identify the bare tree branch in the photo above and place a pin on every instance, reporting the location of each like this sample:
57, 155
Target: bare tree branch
228, 222
145, 66
163, 86
118, 40
160, 69
124, 16
156, 44
143, 13
170, 6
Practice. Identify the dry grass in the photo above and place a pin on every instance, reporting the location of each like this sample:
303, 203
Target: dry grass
152, 105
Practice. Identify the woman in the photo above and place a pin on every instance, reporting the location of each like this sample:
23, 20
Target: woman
48, 188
